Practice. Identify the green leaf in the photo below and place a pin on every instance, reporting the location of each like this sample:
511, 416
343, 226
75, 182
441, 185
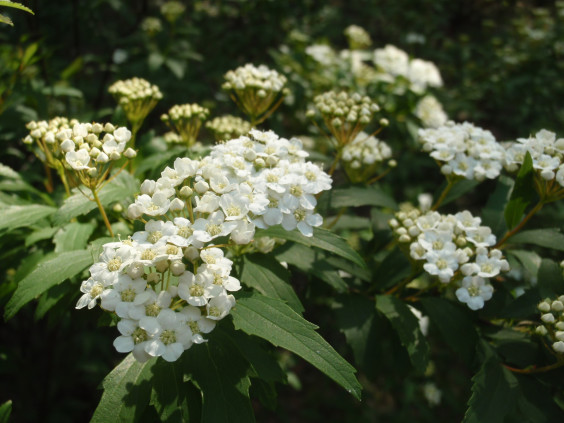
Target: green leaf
361, 196
177, 67
550, 282
167, 391
276, 322
221, 375
5, 20
73, 236
20, 216
406, 326
522, 195
530, 260
454, 324
460, 188
494, 391
123, 186
270, 278
393, 268
492, 213
52, 270
127, 389
5, 411
322, 238
548, 238
16, 6
40, 235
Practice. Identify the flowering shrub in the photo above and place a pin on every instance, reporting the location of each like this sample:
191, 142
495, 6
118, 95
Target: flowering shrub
210, 254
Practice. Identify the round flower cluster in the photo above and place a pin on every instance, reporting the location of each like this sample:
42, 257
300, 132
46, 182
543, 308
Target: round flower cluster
169, 284
363, 156
136, 96
322, 53
357, 37
226, 127
395, 62
553, 322
430, 112
186, 119
464, 150
43, 133
454, 248
172, 10
344, 115
151, 25
546, 151
257, 91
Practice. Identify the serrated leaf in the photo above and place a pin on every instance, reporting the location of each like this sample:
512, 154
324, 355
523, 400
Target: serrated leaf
454, 324
123, 186
548, 238
276, 322
20, 216
16, 6
522, 195
361, 196
406, 326
73, 236
494, 391
52, 270
221, 375
126, 392
322, 238
270, 278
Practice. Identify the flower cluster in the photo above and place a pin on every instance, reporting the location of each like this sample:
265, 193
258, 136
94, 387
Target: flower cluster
258, 91
547, 154
454, 248
357, 37
430, 112
321, 53
43, 134
172, 10
170, 283
227, 127
137, 97
344, 115
553, 322
363, 157
186, 119
464, 150
151, 25
394, 62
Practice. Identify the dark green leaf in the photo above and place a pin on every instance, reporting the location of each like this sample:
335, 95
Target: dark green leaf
270, 278
360, 196
276, 322
123, 186
40, 235
5, 411
549, 278
460, 188
492, 213
166, 395
127, 389
522, 195
406, 326
20, 216
393, 268
528, 259
548, 238
52, 270
73, 236
322, 238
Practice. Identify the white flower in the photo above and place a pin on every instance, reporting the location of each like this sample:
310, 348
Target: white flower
92, 290
78, 160
169, 335
474, 291
132, 339
219, 307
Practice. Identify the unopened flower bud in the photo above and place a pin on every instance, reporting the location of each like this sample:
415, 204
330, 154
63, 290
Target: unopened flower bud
185, 192
117, 208
136, 271
177, 268
541, 330
108, 127
114, 155
176, 204
384, 122
102, 158
153, 278
548, 318
557, 305
148, 187
130, 153
544, 307
134, 211
558, 347
201, 186
161, 266
93, 172
191, 253
67, 145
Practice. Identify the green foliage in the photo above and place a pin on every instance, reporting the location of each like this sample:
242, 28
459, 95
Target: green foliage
522, 195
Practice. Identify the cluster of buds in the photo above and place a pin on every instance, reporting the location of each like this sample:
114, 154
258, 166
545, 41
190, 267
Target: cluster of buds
227, 127
464, 150
137, 97
454, 248
257, 91
344, 115
357, 37
394, 63
552, 316
170, 283
151, 26
172, 10
43, 135
186, 120
364, 156
547, 154
430, 112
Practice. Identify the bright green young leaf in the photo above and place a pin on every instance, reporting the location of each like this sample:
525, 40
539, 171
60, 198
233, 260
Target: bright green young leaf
120, 188
361, 196
52, 270
73, 236
127, 389
522, 195
494, 391
322, 238
276, 322
548, 238
6, 20
5, 411
270, 278
14, 5
454, 324
221, 375
20, 216
406, 326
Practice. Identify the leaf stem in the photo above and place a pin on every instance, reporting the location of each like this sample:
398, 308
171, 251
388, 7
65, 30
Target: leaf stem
102, 212
517, 228
450, 184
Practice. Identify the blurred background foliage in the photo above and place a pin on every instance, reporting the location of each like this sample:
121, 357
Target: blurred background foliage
501, 63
